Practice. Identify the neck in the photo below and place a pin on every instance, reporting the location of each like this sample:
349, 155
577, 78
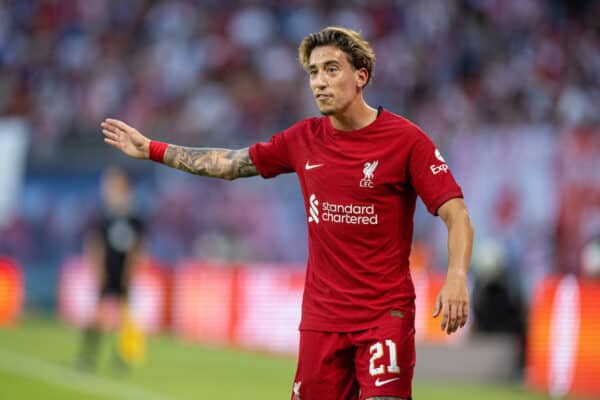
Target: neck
356, 116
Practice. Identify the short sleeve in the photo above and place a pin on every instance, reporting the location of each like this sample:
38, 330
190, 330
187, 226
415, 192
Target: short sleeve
274, 157
430, 175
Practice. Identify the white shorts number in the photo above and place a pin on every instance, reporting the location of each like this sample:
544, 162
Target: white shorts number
376, 351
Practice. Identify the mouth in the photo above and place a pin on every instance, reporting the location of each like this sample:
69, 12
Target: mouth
323, 97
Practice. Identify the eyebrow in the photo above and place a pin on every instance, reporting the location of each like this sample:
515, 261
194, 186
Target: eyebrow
324, 63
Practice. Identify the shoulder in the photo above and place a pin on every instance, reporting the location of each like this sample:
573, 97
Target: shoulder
306, 125
404, 123
300, 133
409, 130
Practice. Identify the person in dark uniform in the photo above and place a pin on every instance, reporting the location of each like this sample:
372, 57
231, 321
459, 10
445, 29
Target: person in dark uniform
112, 248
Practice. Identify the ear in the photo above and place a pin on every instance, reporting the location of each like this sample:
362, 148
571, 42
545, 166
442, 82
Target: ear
362, 77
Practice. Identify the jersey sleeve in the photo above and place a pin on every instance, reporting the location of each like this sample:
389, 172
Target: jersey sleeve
430, 175
274, 157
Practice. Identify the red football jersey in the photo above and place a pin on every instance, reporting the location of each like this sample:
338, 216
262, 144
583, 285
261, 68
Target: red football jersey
360, 189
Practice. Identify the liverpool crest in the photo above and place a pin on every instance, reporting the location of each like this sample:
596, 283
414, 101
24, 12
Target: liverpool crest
369, 174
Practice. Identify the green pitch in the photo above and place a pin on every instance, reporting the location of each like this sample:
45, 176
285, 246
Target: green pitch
36, 361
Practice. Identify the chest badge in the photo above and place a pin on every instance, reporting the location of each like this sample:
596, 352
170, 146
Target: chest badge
369, 174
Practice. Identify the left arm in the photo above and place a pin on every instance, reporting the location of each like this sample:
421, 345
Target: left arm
453, 300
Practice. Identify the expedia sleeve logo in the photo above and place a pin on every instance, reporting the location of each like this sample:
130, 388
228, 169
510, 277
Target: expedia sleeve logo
353, 214
436, 169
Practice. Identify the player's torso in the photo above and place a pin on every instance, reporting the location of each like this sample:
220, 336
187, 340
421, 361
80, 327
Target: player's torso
355, 182
360, 205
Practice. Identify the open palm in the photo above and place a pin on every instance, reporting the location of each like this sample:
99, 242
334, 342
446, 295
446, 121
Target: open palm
125, 138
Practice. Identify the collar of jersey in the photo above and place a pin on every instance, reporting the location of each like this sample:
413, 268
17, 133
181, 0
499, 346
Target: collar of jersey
340, 133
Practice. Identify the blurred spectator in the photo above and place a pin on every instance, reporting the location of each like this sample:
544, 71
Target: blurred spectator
182, 64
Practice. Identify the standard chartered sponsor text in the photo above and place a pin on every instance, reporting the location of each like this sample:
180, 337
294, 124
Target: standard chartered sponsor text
349, 214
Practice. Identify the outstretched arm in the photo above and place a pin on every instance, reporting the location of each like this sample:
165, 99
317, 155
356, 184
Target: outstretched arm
453, 300
217, 163
213, 162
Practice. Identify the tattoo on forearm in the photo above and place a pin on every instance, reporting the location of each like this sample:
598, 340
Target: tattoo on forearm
217, 163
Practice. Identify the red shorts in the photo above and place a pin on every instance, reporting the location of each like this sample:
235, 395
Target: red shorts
357, 365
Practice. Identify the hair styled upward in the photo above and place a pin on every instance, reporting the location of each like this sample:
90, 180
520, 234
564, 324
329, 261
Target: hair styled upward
359, 51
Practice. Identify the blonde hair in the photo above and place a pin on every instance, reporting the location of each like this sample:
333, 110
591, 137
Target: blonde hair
359, 51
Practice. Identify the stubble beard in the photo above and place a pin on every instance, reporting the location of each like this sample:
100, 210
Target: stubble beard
327, 111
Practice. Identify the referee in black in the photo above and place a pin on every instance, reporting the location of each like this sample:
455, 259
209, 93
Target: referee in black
112, 248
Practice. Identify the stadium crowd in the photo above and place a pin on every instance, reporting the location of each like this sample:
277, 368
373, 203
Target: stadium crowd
499, 84
227, 71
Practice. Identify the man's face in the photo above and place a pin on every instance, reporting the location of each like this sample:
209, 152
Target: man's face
333, 80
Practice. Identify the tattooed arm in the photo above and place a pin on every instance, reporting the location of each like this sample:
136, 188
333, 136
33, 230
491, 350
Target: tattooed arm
217, 163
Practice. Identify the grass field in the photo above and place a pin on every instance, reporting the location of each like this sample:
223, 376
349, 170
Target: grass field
36, 361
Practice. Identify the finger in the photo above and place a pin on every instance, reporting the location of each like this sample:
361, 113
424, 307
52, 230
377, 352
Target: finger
461, 319
452, 323
458, 307
445, 316
438, 307
111, 135
110, 127
112, 121
465, 314
112, 124
112, 143
119, 124
459, 315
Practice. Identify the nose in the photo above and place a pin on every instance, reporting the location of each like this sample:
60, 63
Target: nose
318, 80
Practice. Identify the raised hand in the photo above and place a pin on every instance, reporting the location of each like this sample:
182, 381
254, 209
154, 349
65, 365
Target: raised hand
125, 138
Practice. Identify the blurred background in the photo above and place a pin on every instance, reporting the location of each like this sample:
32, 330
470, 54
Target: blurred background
508, 89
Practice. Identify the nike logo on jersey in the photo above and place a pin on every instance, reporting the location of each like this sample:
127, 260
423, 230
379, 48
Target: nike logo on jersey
379, 383
308, 166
